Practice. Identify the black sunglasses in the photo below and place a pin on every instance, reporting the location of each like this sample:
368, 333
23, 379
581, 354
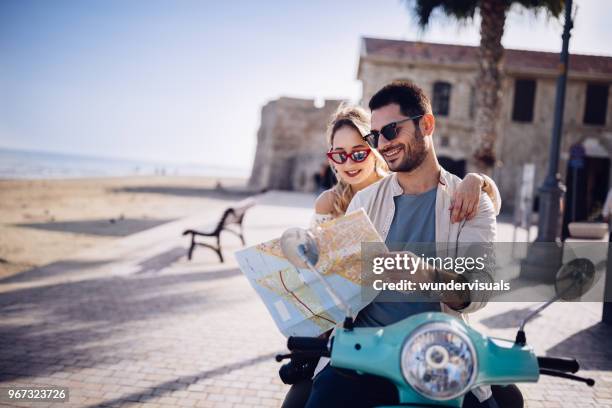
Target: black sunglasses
389, 131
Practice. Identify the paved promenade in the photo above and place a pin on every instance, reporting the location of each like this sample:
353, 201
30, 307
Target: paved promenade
135, 323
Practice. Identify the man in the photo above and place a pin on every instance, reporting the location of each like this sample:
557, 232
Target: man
410, 206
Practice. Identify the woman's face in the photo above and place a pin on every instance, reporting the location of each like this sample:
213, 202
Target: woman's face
347, 139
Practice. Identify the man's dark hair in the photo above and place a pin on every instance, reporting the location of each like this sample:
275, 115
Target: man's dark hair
410, 98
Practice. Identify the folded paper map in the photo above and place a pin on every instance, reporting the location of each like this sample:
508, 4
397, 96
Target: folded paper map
296, 299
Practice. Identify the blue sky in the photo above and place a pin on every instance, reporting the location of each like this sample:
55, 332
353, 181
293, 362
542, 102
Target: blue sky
184, 81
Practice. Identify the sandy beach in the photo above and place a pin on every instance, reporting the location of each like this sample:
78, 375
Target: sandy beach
43, 221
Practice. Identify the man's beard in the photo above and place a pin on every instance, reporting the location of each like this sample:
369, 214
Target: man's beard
414, 154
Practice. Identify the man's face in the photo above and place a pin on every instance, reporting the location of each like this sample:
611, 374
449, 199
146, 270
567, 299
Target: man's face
409, 149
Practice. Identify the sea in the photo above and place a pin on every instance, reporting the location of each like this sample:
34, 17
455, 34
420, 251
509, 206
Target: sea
23, 164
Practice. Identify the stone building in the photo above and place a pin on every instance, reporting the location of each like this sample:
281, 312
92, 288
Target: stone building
291, 144
448, 74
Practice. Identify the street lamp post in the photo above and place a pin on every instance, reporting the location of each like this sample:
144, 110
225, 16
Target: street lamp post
552, 191
543, 260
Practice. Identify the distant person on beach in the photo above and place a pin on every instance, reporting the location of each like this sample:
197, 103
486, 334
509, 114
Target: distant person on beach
325, 178
356, 166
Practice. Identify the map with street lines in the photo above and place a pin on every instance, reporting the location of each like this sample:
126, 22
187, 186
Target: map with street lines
296, 299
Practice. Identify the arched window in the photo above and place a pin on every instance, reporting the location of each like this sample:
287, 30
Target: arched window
441, 98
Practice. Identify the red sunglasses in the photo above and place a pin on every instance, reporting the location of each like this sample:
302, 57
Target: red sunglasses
357, 155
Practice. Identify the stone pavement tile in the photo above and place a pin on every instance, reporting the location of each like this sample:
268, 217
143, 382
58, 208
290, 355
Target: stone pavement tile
234, 398
216, 397
247, 392
224, 404
252, 400
186, 402
604, 393
268, 402
230, 391
205, 404
265, 394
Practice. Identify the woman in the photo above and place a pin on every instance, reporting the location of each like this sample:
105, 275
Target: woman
357, 166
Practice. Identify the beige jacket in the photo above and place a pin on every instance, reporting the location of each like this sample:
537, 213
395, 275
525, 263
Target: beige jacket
377, 201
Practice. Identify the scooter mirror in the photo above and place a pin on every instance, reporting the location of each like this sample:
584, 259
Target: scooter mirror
298, 242
300, 248
574, 279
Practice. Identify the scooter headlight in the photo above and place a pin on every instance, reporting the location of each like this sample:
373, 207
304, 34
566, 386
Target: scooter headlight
439, 361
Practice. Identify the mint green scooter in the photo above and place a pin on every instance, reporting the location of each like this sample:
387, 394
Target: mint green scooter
434, 359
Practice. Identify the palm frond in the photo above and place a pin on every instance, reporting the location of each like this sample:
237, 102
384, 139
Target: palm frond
458, 9
553, 8
462, 10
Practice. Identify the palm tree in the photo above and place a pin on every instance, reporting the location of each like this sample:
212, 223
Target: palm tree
491, 52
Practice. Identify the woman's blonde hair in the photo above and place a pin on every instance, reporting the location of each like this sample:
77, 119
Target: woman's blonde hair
357, 118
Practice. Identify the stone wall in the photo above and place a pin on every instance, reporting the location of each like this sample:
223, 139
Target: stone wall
291, 144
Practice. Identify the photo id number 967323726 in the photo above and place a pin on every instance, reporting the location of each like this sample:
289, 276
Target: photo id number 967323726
33, 394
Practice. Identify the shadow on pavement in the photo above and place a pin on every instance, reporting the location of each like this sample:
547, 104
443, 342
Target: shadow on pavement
182, 383
153, 264
225, 194
52, 269
74, 325
121, 227
508, 320
592, 347
158, 262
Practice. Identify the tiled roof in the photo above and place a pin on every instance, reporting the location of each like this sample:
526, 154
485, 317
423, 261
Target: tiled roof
515, 60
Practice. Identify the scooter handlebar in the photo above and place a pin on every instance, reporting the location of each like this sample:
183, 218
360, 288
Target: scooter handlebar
565, 365
307, 343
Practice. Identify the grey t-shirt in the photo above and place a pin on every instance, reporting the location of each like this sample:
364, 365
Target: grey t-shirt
414, 221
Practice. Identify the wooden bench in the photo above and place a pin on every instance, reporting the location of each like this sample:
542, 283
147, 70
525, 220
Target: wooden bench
233, 216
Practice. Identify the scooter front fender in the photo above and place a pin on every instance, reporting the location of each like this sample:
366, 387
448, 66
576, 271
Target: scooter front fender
377, 351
